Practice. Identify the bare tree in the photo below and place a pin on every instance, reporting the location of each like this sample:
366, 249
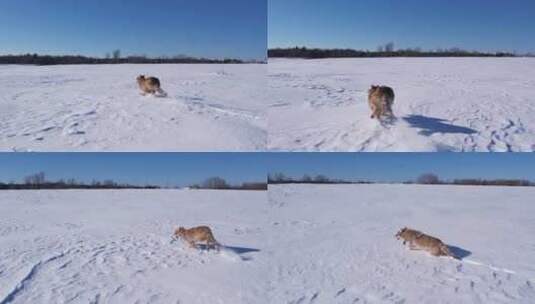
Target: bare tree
428, 179
306, 178
215, 183
116, 54
277, 177
389, 47
321, 178
35, 179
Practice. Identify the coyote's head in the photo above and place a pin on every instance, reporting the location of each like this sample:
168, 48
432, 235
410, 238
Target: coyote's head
398, 235
373, 89
180, 232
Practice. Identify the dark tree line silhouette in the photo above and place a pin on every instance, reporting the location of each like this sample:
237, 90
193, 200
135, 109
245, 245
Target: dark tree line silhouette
423, 179
433, 179
281, 178
382, 51
218, 183
115, 58
39, 181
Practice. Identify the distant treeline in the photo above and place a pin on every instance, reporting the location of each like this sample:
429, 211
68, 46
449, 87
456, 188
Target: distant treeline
387, 51
218, 183
38, 181
280, 178
424, 179
35, 59
433, 179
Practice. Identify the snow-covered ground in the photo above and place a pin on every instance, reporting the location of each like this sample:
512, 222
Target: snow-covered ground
303, 244
99, 108
336, 244
442, 104
115, 247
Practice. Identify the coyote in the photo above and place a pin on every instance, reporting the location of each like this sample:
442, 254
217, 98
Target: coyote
149, 85
420, 241
197, 234
380, 100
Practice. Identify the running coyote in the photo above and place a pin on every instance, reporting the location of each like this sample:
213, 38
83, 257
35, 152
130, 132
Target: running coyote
380, 100
196, 235
150, 85
420, 241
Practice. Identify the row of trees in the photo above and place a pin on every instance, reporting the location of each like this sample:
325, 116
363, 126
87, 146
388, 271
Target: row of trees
280, 178
218, 183
423, 179
113, 58
387, 50
39, 181
433, 179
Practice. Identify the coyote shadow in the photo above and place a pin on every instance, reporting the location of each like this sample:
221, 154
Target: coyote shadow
236, 250
240, 250
458, 252
431, 125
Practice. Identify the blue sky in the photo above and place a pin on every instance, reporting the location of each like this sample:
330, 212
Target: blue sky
396, 167
165, 169
485, 25
209, 28
187, 168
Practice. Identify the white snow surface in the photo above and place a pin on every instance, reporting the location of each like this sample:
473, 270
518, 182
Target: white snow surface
209, 107
441, 104
336, 244
297, 244
116, 246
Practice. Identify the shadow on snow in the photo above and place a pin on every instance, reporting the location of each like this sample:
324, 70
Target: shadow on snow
431, 125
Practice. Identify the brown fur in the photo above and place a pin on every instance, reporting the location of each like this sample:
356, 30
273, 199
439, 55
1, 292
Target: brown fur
380, 100
420, 241
150, 85
196, 235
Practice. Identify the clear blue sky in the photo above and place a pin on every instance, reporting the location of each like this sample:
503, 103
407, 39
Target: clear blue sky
209, 28
485, 25
396, 167
187, 168
165, 169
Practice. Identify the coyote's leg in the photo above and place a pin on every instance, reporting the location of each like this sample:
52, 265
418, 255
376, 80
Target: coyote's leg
412, 246
380, 111
435, 252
